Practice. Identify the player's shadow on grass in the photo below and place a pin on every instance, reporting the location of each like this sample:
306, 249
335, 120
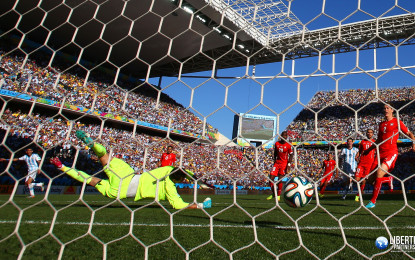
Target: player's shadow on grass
331, 234
227, 221
238, 198
266, 224
96, 205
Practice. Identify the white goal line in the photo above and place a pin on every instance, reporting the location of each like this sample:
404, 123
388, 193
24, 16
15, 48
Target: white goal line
200, 225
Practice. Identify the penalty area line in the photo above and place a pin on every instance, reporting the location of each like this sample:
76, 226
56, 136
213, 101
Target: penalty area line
199, 225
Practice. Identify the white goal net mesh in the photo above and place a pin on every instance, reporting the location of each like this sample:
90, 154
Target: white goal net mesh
217, 81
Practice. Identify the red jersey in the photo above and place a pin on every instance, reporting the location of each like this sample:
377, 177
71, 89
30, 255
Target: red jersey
389, 131
168, 159
282, 151
329, 166
368, 158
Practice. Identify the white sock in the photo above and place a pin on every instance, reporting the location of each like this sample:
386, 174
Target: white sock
31, 190
38, 184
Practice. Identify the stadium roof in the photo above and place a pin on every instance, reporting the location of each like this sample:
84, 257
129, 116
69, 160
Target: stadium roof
263, 20
167, 37
145, 37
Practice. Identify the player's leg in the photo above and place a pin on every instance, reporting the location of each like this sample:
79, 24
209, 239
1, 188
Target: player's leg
388, 163
28, 183
98, 148
357, 195
358, 176
380, 179
281, 175
120, 174
273, 179
117, 170
322, 189
346, 184
362, 186
36, 184
324, 183
101, 185
363, 177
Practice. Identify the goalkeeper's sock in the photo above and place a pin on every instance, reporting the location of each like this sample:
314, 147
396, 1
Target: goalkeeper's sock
77, 175
84, 137
99, 149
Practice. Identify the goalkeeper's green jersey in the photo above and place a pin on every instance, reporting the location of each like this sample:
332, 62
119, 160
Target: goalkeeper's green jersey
147, 187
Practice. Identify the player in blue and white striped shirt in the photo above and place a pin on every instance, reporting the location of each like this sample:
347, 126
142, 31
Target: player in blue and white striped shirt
32, 160
348, 156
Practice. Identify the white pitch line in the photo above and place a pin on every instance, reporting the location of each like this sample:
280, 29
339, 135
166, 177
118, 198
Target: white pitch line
199, 225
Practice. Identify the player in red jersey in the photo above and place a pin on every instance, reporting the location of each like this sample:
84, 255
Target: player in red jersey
168, 158
283, 155
329, 165
388, 151
366, 162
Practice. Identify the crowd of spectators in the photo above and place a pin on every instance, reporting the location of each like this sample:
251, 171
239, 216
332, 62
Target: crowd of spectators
26, 76
219, 165
360, 96
141, 151
338, 122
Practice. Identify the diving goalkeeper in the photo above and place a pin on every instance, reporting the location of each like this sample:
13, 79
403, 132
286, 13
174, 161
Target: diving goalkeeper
124, 183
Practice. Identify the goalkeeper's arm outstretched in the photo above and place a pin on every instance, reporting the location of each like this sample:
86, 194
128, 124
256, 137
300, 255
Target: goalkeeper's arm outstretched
123, 183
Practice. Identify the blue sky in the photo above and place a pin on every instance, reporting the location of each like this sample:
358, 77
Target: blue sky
207, 97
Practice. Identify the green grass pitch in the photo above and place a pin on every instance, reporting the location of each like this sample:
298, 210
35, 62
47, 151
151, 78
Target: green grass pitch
248, 227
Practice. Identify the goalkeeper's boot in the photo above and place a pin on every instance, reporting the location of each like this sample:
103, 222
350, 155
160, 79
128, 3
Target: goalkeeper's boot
270, 197
84, 137
279, 198
55, 161
356, 198
370, 205
320, 195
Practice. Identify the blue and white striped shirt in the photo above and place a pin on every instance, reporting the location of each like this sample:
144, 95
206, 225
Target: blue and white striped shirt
349, 156
31, 161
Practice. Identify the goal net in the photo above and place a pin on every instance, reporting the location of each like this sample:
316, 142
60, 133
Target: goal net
214, 82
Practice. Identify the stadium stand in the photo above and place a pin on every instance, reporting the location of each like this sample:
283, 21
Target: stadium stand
336, 122
97, 94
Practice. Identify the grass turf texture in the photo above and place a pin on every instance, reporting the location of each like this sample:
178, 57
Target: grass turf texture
61, 227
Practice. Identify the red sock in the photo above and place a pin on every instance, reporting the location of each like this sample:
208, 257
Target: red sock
322, 189
378, 186
362, 187
271, 185
279, 188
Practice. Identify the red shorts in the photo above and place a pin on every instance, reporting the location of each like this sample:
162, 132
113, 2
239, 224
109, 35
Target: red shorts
279, 169
363, 170
389, 160
327, 178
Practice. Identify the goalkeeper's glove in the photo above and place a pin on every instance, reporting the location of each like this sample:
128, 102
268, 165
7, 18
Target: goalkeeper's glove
207, 204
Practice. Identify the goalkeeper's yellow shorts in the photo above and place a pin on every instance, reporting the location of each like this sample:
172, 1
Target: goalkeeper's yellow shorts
119, 176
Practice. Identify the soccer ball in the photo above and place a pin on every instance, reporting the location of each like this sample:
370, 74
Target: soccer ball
297, 192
